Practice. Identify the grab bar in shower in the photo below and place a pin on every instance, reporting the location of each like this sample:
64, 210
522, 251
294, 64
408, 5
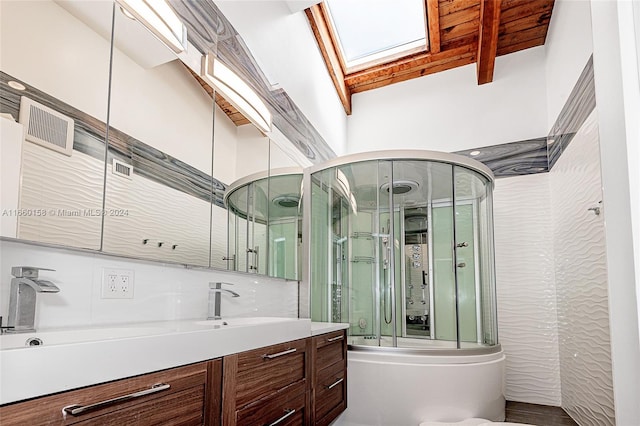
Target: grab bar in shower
362, 259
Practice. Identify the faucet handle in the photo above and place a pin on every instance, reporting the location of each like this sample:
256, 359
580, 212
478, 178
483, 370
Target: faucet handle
218, 285
27, 271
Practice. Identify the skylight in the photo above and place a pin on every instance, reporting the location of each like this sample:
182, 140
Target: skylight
369, 30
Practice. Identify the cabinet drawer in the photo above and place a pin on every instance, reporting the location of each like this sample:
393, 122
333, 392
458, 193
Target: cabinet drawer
285, 408
330, 390
176, 409
137, 400
330, 349
264, 371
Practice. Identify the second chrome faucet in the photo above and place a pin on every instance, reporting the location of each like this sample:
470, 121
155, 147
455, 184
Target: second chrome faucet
215, 298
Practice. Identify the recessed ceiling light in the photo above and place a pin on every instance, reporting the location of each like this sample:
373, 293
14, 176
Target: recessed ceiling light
474, 153
16, 85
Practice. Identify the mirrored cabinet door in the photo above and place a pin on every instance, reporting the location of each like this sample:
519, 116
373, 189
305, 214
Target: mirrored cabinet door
285, 215
241, 155
158, 190
53, 89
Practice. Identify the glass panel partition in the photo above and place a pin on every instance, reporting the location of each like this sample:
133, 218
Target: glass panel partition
402, 249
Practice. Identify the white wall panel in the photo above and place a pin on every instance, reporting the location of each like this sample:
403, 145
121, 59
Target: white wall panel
581, 281
527, 324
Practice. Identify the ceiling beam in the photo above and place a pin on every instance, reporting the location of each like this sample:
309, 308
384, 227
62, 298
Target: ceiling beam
433, 24
488, 39
321, 31
409, 67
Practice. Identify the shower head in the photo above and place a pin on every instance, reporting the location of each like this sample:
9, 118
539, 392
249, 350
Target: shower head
287, 200
400, 187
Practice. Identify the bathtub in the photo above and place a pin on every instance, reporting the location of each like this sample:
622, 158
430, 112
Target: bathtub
406, 386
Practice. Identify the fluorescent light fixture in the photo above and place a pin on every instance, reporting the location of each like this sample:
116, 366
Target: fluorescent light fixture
236, 91
159, 18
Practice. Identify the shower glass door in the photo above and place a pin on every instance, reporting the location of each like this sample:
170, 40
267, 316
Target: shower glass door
402, 251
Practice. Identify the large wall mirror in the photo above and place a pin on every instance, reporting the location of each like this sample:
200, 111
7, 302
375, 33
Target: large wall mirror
158, 189
174, 146
54, 81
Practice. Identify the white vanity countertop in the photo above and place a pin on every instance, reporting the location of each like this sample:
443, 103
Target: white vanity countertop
77, 357
327, 327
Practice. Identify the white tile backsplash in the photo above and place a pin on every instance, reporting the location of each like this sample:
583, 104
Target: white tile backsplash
161, 292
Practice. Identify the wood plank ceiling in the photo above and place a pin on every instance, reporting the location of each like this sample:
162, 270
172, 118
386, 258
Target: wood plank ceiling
460, 32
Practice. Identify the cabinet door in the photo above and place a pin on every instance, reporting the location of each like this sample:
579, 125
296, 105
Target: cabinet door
329, 377
179, 396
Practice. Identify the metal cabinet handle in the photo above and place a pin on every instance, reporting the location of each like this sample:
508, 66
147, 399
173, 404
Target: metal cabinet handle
336, 383
76, 409
335, 339
290, 412
279, 354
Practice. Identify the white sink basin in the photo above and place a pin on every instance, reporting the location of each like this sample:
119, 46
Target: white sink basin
61, 337
91, 355
240, 322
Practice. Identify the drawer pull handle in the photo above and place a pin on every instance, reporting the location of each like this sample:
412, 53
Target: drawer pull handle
279, 354
335, 339
336, 383
290, 412
76, 409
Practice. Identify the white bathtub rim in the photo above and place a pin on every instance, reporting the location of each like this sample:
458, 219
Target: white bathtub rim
423, 359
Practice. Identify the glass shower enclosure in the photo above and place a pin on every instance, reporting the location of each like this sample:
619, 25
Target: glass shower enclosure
401, 248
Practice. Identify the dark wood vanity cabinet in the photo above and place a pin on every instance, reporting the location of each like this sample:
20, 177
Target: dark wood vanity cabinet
297, 383
267, 386
329, 377
189, 395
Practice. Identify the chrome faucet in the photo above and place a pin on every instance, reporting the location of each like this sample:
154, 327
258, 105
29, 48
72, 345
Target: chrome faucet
22, 301
216, 290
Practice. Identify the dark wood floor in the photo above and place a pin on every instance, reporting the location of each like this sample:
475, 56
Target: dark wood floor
542, 415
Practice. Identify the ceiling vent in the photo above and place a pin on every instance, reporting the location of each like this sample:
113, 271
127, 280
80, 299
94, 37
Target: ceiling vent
46, 127
121, 169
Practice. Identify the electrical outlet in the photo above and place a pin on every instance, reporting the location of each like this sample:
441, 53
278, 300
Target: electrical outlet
117, 283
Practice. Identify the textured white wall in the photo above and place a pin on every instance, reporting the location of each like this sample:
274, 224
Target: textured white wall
527, 322
161, 292
53, 182
581, 281
448, 111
